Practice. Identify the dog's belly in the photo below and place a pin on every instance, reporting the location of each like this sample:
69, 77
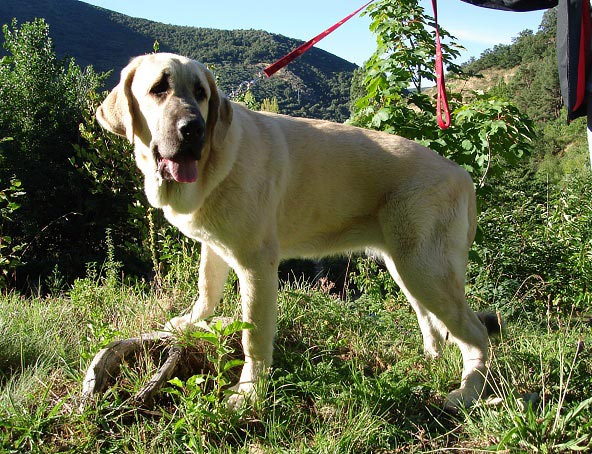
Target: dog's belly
302, 241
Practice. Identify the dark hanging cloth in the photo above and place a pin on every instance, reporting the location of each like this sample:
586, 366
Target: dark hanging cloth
514, 5
574, 32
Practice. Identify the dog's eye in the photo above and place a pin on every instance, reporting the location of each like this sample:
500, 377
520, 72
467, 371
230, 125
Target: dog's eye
161, 87
199, 93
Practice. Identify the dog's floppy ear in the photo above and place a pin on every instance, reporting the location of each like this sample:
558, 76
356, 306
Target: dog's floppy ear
219, 115
115, 114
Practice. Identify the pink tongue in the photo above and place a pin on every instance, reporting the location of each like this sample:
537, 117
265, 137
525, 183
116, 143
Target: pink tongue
183, 170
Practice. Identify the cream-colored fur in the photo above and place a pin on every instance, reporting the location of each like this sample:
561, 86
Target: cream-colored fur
270, 187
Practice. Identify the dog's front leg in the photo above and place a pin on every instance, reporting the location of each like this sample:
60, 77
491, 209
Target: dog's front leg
259, 287
213, 271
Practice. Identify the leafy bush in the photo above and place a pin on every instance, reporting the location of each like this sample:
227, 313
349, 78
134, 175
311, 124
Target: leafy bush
79, 180
537, 248
106, 163
41, 103
371, 278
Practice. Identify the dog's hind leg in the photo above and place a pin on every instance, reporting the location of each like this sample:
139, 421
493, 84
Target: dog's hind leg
433, 330
427, 251
213, 271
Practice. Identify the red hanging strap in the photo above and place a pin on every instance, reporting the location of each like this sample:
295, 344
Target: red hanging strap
584, 53
273, 68
442, 109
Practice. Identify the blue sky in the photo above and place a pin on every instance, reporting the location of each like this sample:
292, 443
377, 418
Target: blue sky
476, 28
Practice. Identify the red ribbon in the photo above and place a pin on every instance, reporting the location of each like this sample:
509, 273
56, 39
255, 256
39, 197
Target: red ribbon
273, 68
441, 101
585, 33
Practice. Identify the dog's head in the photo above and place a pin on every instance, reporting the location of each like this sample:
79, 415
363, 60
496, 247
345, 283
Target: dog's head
170, 108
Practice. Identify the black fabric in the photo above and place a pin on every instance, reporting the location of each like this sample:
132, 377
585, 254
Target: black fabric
569, 27
514, 5
569, 32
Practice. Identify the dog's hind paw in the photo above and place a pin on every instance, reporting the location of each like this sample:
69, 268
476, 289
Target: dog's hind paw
460, 399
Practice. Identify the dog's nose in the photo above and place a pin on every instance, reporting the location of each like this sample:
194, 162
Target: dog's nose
192, 136
190, 129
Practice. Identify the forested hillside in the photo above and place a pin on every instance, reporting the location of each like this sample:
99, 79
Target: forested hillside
532, 59
316, 85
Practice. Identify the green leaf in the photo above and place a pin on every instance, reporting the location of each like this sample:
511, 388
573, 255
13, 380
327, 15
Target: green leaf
236, 327
176, 382
231, 364
195, 380
206, 336
382, 116
467, 144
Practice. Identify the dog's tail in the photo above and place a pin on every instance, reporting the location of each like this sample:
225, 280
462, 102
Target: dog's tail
493, 323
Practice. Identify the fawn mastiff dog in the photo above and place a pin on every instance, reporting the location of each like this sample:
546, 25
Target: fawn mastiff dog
255, 188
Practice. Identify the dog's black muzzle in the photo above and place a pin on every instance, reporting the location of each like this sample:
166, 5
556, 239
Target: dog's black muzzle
192, 134
182, 131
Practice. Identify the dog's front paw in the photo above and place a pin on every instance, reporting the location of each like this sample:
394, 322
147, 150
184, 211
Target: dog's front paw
241, 395
237, 400
183, 323
251, 387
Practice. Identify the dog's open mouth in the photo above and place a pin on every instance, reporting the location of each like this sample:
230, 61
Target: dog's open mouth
182, 169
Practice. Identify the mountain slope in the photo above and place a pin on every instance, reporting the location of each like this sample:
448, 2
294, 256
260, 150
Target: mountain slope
316, 85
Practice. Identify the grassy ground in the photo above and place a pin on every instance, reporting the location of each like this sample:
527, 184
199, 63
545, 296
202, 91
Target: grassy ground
349, 377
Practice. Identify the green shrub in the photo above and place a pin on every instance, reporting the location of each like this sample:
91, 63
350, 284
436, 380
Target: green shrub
537, 248
9, 248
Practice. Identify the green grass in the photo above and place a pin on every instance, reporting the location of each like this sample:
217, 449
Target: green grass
349, 377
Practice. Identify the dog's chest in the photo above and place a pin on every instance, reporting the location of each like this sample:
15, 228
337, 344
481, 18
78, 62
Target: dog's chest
188, 224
